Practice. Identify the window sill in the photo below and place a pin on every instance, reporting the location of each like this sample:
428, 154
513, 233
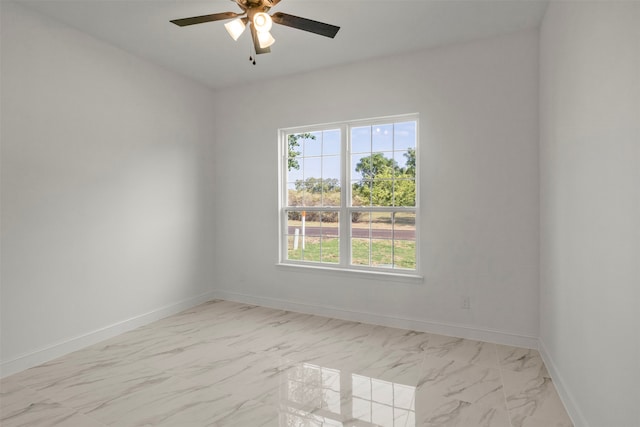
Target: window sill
354, 273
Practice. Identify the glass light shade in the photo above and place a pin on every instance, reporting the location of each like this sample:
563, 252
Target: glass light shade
262, 22
265, 39
235, 28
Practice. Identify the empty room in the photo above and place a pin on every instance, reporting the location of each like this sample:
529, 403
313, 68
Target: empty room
297, 213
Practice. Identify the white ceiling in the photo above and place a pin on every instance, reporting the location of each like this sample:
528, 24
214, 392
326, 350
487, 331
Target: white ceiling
206, 53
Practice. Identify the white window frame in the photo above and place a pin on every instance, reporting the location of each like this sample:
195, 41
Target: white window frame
345, 209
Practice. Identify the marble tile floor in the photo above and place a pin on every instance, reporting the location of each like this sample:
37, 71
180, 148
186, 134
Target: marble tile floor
230, 364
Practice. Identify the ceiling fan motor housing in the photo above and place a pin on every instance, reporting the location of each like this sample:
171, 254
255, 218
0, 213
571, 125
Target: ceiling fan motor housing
255, 6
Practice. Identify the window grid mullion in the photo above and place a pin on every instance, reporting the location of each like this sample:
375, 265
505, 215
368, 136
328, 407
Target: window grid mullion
393, 239
284, 199
345, 195
370, 239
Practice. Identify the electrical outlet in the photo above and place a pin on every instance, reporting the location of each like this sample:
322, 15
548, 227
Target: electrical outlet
465, 303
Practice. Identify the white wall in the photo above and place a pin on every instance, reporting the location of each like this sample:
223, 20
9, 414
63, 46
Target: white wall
479, 190
590, 208
102, 207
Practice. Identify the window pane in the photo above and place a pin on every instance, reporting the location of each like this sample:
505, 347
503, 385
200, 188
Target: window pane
312, 146
389, 162
405, 240
294, 249
361, 193
311, 249
331, 168
361, 139
330, 243
360, 242
294, 241
382, 253
361, 224
293, 220
381, 225
404, 136
331, 142
294, 151
360, 251
382, 192
330, 224
404, 252
310, 198
404, 192
380, 168
359, 165
312, 168
375, 166
382, 138
331, 181
312, 225
309, 192
404, 226
294, 174
383, 239
316, 241
406, 163
294, 196
331, 197
330, 250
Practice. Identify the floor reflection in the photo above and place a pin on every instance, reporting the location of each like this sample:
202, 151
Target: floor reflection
313, 395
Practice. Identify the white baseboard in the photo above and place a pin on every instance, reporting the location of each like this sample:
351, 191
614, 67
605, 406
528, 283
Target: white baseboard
443, 328
565, 395
51, 352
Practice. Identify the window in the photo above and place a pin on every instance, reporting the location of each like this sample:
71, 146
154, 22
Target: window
349, 195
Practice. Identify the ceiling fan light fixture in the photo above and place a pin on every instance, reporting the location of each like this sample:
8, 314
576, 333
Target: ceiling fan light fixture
235, 28
255, 15
265, 39
262, 21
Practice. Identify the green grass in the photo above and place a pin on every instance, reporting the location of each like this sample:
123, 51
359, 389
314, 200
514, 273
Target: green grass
384, 253
316, 249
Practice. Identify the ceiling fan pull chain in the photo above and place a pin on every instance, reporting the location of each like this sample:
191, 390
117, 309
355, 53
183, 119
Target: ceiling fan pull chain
251, 55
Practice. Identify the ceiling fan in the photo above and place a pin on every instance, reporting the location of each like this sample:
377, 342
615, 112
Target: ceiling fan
254, 13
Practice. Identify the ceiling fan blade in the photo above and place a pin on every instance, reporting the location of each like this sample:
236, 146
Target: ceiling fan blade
305, 24
256, 43
273, 2
205, 18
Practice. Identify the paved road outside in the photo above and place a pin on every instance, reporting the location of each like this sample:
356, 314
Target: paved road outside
376, 233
